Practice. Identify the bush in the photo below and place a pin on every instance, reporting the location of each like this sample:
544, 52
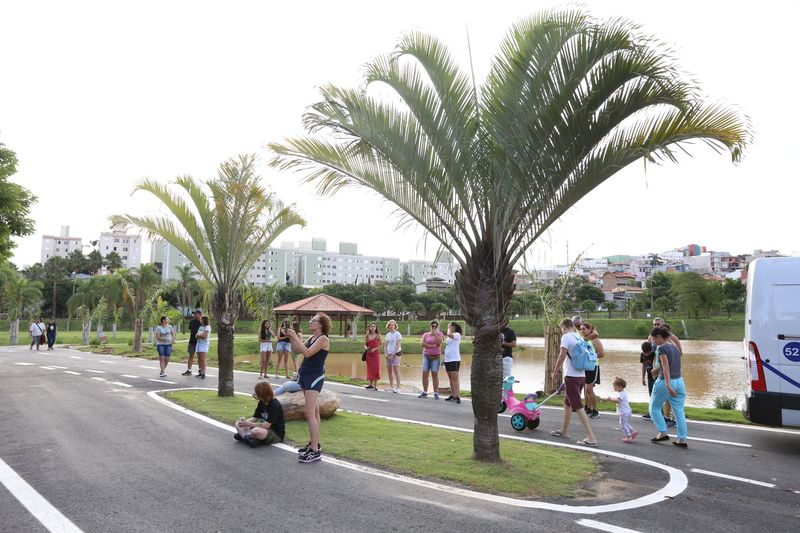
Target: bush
94, 342
725, 402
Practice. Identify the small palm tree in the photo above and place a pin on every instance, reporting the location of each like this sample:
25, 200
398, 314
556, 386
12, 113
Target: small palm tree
222, 235
485, 170
20, 297
138, 286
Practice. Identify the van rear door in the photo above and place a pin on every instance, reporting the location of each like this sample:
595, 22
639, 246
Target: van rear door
783, 348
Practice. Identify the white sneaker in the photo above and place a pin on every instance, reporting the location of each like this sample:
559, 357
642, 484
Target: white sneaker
163, 375
395, 390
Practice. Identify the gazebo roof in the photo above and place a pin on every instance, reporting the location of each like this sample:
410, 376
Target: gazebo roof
322, 303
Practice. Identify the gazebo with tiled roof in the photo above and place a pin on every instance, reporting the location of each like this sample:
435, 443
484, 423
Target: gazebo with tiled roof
325, 303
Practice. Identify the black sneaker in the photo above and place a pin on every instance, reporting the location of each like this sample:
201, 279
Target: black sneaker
248, 440
458, 399
253, 442
201, 376
450, 398
594, 414
307, 448
237, 437
646, 417
310, 456
587, 410
187, 373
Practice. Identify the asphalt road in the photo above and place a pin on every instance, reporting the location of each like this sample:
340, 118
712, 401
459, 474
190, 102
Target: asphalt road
82, 431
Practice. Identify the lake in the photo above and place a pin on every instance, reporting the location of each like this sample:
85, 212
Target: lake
709, 369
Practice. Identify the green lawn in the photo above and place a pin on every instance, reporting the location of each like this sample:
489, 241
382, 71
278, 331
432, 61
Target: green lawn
528, 470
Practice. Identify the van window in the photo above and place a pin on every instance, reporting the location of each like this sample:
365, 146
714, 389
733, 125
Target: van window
787, 308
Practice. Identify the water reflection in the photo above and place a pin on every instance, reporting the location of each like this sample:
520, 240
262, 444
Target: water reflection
709, 368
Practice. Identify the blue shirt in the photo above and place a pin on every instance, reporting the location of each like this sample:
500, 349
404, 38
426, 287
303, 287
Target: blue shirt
673, 358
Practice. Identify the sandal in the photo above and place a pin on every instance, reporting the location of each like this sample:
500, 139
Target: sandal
662, 438
584, 442
557, 433
680, 444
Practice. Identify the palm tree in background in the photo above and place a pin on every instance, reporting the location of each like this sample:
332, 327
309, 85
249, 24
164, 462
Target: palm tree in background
139, 286
485, 170
222, 235
20, 297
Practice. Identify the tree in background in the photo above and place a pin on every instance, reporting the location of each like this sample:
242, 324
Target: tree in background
222, 234
688, 289
94, 262
568, 102
15, 205
112, 261
589, 291
138, 287
588, 307
610, 306
734, 292
21, 297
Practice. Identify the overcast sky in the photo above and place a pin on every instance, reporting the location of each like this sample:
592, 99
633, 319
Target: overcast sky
96, 96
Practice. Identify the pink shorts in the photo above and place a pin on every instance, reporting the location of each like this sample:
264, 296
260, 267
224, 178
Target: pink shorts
574, 386
392, 360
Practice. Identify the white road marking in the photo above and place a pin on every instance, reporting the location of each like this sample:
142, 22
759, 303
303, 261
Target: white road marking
725, 442
47, 367
734, 478
676, 485
71, 372
97, 371
367, 398
108, 362
149, 367
76, 357
59, 367
594, 524
50, 517
98, 379
130, 376
25, 364
121, 384
163, 381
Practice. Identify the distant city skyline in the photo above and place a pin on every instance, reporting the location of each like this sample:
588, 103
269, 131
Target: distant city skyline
91, 108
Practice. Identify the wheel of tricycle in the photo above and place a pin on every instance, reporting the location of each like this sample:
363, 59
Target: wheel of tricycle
502, 407
518, 422
533, 424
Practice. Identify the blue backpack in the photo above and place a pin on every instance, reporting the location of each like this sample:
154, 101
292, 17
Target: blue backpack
583, 355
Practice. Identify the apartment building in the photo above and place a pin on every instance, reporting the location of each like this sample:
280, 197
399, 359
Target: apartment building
127, 246
317, 269
59, 246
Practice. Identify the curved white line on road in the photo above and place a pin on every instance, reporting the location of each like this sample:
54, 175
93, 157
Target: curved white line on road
676, 485
594, 524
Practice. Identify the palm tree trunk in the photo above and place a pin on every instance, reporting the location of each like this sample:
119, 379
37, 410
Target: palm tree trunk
552, 344
54, 299
483, 295
137, 335
225, 307
13, 335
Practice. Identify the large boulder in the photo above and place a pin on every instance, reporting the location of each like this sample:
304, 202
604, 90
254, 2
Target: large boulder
294, 402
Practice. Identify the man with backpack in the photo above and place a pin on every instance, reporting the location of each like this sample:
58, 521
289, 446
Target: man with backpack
576, 355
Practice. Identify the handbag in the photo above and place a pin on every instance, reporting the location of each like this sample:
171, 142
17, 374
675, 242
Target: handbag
364, 355
41, 339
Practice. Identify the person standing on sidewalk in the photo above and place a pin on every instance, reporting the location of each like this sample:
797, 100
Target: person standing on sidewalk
52, 330
574, 381
165, 338
452, 360
194, 325
508, 341
393, 350
36, 330
431, 358
659, 322
372, 345
203, 343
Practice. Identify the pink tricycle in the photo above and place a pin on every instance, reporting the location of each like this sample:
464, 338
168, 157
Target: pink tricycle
524, 413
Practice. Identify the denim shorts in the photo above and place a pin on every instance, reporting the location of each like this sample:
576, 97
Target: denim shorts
430, 364
284, 346
164, 350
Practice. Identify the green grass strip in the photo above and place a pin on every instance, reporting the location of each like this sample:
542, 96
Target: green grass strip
528, 470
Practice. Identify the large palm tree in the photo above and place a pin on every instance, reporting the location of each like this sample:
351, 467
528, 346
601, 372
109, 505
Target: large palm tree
568, 102
222, 235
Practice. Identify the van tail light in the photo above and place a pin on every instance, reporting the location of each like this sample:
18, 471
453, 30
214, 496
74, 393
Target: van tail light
757, 381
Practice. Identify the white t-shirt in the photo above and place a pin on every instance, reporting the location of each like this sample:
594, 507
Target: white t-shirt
36, 329
452, 351
207, 338
568, 341
392, 342
623, 407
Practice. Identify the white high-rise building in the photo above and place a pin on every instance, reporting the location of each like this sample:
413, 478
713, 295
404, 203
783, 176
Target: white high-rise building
128, 247
444, 269
59, 246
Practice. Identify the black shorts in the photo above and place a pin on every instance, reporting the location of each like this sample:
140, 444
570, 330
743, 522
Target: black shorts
452, 366
192, 347
593, 376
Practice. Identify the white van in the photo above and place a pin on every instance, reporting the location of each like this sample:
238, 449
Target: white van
772, 341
